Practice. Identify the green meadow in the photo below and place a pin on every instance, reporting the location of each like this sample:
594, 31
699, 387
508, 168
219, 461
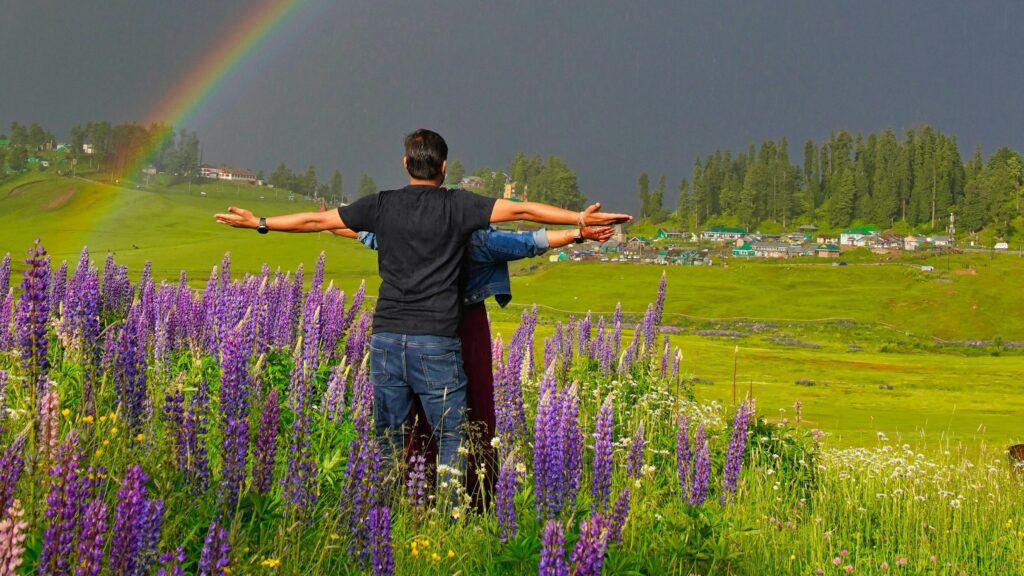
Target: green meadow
876, 345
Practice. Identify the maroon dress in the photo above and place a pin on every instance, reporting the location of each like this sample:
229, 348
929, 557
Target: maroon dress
475, 334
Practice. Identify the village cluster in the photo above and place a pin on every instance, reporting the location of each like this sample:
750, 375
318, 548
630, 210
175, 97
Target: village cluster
673, 247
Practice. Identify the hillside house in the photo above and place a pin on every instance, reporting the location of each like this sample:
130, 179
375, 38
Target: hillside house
611, 247
912, 242
885, 242
664, 234
778, 250
743, 250
723, 234
857, 236
940, 241
515, 192
827, 251
638, 243
227, 173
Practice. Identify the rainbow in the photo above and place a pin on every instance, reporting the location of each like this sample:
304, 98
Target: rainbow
203, 80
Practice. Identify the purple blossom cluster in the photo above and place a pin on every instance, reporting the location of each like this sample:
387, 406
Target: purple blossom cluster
33, 314
93, 538
137, 524
216, 554
416, 484
361, 492
265, 451
734, 458
588, 555
64, 505
235, 390
635, 458
382, 562
552, 552
557, 452
11, 465
602, 467
171, 563
619, 516
505, 505
508, 391
130, 369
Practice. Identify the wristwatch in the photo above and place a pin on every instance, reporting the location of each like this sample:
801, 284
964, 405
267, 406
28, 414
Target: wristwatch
578, 236
262, 228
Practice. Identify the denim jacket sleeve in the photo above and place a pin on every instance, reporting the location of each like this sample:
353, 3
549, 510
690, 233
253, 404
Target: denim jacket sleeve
490, 251
369, 239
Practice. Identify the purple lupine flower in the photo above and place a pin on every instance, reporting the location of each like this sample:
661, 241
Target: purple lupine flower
130, 369
301, 476
64, 504
617, 329
334, 397
505, 505
547, 455
607, 355
6, 306
701, 469
191, 443
583, 335
598, 339
551, 347
659, 304
619, 516
650, 328
734, 459
58, 287
356, 341
171, 563
382, 563
602, 470
508, 394
573, 446
12, 539
92, 539
216, 553
588, 555
11, 465
153, 521
5, 273
234, 416
664, 357
567, 346
332, 317
49, 425
683, 455
362, 470
357, 304
3, 400
416, 485
635, 459
33, 313
552, 552
134, 522
266, 445
676, 359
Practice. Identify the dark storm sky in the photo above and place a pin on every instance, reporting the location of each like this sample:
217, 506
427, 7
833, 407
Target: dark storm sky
612, 87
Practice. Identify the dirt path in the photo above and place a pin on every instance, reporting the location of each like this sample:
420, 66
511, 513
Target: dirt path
18, 189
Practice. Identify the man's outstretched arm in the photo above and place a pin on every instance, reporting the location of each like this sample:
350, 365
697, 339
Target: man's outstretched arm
299, 222
505, 211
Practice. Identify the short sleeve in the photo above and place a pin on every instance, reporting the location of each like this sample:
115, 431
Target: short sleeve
471, 211
360, 215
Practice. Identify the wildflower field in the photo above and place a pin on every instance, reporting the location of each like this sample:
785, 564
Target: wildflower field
151, 428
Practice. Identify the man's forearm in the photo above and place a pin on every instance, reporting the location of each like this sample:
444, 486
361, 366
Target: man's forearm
304, 222
544, 214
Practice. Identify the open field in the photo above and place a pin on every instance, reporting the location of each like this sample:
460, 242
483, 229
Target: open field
945, 393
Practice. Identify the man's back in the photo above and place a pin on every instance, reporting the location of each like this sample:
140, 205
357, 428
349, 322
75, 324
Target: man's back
422, 233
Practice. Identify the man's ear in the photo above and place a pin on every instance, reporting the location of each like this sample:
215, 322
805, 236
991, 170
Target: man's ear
444, 170
405, 162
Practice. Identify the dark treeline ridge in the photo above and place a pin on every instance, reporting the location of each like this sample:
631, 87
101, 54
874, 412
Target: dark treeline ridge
881, 179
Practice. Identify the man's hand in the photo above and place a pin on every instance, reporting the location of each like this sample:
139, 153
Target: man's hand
597, 234
591, 217
238, 218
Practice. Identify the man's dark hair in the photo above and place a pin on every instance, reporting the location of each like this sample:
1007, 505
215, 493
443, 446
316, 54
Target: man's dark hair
425, 151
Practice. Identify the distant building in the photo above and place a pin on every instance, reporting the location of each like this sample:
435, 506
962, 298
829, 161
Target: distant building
663, 234
743, 250
827, 251
912, 242
516, 192
722, 234
227, 173
940, 241
857, 236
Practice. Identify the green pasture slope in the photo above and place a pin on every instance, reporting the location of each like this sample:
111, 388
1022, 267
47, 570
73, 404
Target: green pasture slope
883, 372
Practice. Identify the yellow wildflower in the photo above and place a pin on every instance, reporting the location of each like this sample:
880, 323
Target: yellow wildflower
113, 431
334, 536
106, 442
270, 563
226, 569
140, 438
425, 543
112, 416
792, 557
415, 553
99, 453
451, 554
87, 419
435, 557
65, 413
103, 419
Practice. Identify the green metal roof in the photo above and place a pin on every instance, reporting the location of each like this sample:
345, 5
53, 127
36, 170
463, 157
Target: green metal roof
860, 230
727, 230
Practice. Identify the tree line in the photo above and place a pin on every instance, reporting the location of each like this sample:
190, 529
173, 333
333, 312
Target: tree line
549, 180
915, 181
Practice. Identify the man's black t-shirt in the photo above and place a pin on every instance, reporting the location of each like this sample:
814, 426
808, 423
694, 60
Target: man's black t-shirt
422, 232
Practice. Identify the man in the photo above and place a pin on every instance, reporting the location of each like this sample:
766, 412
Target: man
487, 275
422, 230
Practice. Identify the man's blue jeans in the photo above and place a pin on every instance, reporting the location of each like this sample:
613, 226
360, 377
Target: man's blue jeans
430, 367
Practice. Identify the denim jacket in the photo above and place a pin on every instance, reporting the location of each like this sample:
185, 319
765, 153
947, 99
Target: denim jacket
489, 253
